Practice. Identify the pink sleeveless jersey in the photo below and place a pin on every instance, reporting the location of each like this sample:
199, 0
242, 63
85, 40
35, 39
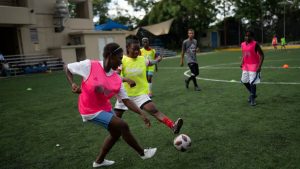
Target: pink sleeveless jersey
90, 101
250, 57
274, 41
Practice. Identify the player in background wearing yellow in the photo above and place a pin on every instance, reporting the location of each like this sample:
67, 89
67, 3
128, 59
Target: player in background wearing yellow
283, 42
150, 54
133, 72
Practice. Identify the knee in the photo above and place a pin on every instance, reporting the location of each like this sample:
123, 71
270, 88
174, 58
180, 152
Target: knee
154, 111
124, 126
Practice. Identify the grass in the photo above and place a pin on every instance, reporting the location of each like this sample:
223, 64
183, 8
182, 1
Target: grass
226, 132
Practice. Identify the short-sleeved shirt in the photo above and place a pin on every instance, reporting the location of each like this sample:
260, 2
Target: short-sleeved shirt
83, 69
149, 54
190, 47
283, 42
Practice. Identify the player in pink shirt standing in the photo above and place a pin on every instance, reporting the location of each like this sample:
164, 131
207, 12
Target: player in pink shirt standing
99, 84
252, 60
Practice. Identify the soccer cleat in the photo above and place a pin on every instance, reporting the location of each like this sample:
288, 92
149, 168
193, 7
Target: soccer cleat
252, 100
197, 88
249, 98
104, 163
186, 83
148, 153
177, 126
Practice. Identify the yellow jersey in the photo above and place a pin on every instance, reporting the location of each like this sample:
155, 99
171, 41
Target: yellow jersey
150, 55
135, 69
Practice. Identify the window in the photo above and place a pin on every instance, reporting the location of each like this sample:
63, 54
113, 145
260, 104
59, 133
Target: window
78, 9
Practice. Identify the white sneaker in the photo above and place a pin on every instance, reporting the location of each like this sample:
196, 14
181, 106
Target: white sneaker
148, 153
104, 163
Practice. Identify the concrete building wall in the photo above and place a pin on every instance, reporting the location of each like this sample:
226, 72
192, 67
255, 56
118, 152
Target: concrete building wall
93, 42
35, 23
207, 40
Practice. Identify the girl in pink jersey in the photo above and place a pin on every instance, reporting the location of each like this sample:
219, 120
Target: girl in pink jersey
99, 84
274, 42
252, 60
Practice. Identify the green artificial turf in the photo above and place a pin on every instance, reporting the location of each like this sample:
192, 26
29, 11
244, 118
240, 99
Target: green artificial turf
41, 128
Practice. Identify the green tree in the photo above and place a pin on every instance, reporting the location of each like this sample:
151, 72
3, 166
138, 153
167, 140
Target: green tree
100, 9
145, 5
266, 17
186, 13
225, 9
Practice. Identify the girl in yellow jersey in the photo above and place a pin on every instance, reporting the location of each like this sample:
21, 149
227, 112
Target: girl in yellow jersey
150, 54
133, 72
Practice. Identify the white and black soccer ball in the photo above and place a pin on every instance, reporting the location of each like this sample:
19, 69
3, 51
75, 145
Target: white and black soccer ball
182, 142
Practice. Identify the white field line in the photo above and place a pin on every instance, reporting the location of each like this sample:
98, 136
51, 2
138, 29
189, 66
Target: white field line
204, 67
217, 66
237, 81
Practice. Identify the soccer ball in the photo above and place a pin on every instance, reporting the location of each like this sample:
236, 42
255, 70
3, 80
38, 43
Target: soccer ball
182, 142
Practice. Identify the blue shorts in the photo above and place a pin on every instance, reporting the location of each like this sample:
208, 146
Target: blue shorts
150, 73
103, 118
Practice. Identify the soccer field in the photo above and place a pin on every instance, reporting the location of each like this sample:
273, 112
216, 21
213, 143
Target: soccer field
42, 129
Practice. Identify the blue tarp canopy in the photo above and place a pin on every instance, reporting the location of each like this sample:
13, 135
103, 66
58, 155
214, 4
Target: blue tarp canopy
109, 25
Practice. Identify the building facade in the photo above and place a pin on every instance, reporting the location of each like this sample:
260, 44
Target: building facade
30, 27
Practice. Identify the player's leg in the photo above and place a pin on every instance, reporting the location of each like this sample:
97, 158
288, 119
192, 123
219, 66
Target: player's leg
120, 127
254, 79
104, 119
119, 112
194, 72
187, 81
253, 94
119, 108
149, 79
151, 108
117, 127
245, 79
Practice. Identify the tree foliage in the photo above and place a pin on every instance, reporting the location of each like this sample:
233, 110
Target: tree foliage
186, 13
100, 9
266, 17
145, 5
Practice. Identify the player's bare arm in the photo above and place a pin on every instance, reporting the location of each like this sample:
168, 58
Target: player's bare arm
75, 88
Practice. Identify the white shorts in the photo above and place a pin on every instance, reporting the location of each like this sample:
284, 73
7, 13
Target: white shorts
138, 100
250, 77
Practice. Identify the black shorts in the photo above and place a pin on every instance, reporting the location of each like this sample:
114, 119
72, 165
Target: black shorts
194, 68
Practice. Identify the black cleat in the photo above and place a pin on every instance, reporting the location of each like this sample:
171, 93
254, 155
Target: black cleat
186, 83
252, 100
177, 126
197, 88
249, 98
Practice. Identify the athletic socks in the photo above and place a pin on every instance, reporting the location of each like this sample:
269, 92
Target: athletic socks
194, 81
247, 85
150, 87
253, 89
168, 122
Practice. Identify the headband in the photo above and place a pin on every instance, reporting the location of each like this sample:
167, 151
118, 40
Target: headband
116, 50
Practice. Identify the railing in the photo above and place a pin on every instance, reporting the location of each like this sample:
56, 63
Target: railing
20, 64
